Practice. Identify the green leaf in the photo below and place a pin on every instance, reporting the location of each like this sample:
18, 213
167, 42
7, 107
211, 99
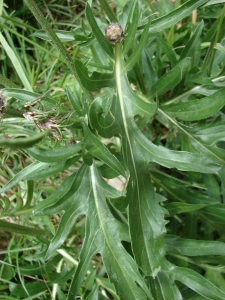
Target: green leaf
31, 289
50, 170
103, 235
175, 208
144, 209
54, 155
220, 47
164, 288
108, 10
175, 16
74, 101
135, 104
56, 42
77, 197
27, 96
194, 281
63, 35
17, 63
149, 71
56, 195
181, 160
213, 189
190, 47
198, 109
215, 213
96, 81
109, 191
34, 167
94, 293
134, 57
106, 284
101, 116
169, 52
202, 138
68, 199
138, 152
216, 278
17, 143
96, 148
131, 27
23, 230
145, 212
107, 47
171, 79
190, 247
211, 2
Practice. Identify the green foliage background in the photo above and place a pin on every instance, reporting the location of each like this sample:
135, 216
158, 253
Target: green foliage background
78, 112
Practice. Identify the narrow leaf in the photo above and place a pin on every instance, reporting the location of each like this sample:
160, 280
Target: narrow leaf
198, 109
34, 167
54, 155
74, 101
16, 63
107, 47
190, 247
189, 48
194, 281
178, 208
171, 79
175, 16
24, 230
134, 57
52, 170
63, 35
131, 28
17, 143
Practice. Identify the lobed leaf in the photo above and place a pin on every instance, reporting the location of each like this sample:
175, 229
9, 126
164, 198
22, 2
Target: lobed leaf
96, 80
96, 148
103, 235
56, 195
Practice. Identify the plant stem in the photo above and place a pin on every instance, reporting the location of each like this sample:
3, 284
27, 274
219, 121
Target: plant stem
118, 69
57, 43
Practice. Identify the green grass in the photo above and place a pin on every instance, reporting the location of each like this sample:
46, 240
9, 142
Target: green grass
78, 112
